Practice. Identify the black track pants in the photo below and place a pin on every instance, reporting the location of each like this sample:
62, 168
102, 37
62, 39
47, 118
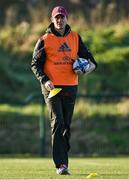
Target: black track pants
61, 109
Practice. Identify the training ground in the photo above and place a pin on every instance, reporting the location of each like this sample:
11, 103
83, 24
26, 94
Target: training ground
80, 168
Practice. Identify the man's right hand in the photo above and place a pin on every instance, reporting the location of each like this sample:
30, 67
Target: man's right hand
49, 85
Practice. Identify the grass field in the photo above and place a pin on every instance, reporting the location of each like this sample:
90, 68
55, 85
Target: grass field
42, 168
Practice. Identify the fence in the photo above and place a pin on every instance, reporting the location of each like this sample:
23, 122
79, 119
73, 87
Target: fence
41, 126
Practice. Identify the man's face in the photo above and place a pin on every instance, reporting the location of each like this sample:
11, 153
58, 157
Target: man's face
59, 21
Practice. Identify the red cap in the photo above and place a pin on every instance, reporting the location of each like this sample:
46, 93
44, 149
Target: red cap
59, 10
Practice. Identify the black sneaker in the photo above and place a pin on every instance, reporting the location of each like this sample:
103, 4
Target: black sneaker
62, 170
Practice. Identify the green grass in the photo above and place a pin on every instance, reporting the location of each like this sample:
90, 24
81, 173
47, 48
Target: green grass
37, 168
30, 109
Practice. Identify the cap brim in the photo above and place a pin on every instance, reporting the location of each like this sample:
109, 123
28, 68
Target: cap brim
59, 14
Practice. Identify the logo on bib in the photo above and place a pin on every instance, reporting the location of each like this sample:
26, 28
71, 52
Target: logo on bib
64, 48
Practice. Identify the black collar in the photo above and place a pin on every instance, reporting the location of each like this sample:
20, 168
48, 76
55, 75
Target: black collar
51, 29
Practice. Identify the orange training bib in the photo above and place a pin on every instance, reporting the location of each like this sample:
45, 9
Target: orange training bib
60, 54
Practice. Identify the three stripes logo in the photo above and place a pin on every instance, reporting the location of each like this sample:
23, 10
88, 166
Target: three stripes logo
64, 48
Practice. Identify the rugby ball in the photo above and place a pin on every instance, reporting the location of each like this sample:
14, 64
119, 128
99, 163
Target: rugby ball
81, 66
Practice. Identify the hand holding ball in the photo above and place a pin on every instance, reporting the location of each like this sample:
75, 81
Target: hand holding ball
83, 66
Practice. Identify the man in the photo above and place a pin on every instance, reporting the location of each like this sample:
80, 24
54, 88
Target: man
52, 63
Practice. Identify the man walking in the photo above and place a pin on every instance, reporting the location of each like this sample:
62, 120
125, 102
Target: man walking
52, 64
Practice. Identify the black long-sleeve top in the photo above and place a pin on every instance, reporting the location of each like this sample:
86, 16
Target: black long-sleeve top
39, 55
